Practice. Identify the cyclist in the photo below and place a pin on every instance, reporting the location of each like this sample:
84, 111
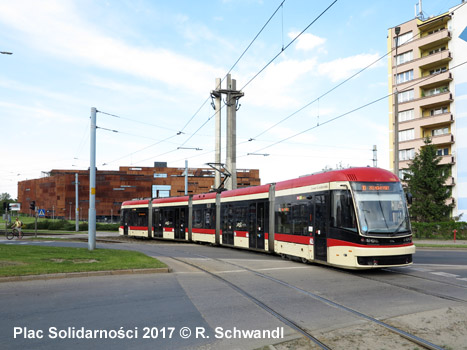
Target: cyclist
17, 225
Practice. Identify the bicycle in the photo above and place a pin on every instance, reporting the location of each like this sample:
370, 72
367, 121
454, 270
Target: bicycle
11, 234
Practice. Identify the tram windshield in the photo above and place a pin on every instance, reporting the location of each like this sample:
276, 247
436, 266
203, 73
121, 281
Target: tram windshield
381, 207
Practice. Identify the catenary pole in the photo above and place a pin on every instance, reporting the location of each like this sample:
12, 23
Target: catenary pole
76, 203
217, 106
92, 185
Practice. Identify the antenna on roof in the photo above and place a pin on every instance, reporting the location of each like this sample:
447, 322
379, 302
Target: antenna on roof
419, 13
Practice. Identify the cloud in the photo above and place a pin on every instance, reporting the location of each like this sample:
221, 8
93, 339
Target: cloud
39, 114
343, 68
56, 28
274, 86
307, 41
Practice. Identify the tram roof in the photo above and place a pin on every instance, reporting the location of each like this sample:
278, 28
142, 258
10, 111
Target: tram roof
352, 174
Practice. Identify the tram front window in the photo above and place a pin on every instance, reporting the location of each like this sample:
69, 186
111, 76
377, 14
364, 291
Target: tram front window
381, 207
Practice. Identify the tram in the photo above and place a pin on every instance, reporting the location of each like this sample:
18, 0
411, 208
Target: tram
354, 218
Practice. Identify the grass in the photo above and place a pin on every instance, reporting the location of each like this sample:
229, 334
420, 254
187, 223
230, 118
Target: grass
428, 245
23, 260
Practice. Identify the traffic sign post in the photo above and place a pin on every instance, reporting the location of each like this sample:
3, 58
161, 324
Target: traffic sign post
35, 224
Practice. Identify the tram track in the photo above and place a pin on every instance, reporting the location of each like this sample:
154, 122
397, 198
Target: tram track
259, 303
415, 289
286, 320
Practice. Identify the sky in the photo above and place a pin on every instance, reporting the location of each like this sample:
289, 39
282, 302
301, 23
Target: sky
148, 67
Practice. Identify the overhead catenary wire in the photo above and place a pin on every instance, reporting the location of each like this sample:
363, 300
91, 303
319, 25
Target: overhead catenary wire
288, 45
134, 120
353, 110
231, 68
270, 62
181, 131
329, 91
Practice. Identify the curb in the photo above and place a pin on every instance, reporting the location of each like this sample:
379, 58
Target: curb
53, 276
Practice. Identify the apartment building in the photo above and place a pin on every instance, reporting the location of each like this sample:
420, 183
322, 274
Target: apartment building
428, 69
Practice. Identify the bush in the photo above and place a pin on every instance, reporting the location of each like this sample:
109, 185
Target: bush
439, 230
66, 225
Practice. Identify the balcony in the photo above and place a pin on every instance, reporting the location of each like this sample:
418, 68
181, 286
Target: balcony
434, 40
437, 59
447, 160
431, 81
435, 140
427, 82
426, 62
432, 121
450, 181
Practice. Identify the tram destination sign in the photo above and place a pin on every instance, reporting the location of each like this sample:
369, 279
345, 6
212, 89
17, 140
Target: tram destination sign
377, 187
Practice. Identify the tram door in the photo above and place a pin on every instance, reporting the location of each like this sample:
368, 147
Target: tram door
125, 220
157, 222
180, 222
256, 226
320, 240
228, 224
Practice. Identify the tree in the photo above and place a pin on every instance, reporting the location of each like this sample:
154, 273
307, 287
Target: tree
4, 198
426, 182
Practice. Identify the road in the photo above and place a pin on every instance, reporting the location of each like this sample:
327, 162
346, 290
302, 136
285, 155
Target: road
210, 307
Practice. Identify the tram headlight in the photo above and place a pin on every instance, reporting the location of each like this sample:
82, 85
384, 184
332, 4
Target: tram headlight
408, 240
372, 241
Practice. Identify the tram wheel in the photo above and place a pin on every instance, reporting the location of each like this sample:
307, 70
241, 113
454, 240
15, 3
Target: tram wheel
304, 260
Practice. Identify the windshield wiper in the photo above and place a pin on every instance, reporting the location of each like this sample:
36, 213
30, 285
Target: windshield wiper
400, 226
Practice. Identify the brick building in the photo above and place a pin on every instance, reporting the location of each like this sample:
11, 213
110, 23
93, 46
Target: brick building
56, 192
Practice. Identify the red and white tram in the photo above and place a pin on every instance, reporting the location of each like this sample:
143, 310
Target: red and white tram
354, 218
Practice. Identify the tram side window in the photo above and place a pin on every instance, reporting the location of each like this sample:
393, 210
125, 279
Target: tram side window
138, 217
198, 218
168, 215
342, 211
294, 217
209, 218
300, 219
241, 218
283, 218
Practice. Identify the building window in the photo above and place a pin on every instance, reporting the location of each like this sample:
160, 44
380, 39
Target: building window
438, 70
436, 91
405, 96
160, 175
161, 191
404, 76
404, 57
406, 115
406, 154
403, 173
441, 131
435, 30
440, 110
442, 151
402, 39
438, 49
406, 135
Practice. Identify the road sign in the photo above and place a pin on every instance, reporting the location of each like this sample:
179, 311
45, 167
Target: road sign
463, 35
41, 213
